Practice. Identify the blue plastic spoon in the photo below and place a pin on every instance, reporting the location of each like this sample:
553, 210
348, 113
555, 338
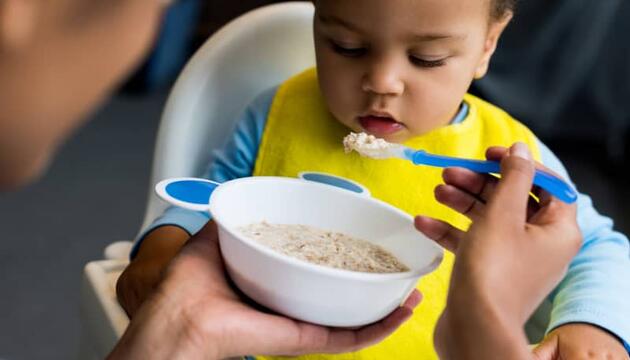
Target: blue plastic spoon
554, 185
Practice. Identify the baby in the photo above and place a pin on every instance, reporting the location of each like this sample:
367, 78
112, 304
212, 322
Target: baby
400, 70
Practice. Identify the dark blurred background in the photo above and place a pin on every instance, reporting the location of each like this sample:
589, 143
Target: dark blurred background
96, 188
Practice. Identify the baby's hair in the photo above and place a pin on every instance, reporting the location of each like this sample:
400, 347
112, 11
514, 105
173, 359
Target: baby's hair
499, 8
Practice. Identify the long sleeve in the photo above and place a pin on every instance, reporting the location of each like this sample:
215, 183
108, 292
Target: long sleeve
596, 287
235, 160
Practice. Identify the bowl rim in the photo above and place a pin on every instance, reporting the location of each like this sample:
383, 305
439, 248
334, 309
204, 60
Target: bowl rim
326, 270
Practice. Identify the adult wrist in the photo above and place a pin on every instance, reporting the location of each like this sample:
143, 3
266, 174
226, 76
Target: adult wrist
474, 326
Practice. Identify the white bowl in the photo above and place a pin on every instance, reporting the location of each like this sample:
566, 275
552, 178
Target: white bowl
306, 291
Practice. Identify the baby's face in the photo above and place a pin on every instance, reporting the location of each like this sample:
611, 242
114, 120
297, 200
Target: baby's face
400, 68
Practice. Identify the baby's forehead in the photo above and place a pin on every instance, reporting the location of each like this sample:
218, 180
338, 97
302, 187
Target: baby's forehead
404, 18
425, 5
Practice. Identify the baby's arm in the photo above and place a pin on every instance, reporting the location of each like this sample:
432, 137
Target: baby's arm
161, 242
589, 307
145, 270
153, 252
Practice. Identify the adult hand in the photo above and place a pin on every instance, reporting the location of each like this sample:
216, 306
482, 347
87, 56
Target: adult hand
515, 252
195, 313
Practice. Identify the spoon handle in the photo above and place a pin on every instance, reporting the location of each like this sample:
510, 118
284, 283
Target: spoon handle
554, 185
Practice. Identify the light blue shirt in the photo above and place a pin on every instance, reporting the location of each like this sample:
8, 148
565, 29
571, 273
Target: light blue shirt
595, 290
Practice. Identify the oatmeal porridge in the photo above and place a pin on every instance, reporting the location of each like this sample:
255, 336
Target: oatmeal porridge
323, 247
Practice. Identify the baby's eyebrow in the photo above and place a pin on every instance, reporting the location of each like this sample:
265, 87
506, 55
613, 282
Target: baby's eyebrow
428, 37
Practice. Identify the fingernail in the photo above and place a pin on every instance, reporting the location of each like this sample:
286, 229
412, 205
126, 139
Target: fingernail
521, 150
404, 300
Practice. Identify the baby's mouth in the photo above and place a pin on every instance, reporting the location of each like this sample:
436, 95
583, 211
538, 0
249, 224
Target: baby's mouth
380, 126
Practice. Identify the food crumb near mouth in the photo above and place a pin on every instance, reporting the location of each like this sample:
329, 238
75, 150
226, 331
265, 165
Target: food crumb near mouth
364, 143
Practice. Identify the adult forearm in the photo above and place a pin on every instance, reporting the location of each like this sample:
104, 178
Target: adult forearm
484, 332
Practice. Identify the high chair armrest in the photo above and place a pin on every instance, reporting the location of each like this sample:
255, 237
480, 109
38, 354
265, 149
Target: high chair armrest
104, 320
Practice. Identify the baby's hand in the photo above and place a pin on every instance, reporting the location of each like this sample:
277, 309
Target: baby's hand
136, 283
145, 271
580, 341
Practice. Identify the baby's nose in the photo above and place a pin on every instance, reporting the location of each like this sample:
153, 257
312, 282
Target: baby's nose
383, 79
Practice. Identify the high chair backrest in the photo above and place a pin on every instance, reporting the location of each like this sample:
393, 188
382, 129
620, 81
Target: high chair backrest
250, 54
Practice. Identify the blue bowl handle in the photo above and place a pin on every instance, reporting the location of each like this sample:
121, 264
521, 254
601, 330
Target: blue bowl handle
188, 192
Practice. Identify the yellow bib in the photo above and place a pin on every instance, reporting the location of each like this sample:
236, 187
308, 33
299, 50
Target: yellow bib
301, 135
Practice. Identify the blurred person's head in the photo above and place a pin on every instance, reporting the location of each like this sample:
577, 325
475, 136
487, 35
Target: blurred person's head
400, 68
58, 60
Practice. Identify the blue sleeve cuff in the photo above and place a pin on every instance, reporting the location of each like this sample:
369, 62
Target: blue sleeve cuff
190, 221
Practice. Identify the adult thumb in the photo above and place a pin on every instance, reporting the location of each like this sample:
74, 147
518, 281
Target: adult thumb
205, 240
547, 350
517, 173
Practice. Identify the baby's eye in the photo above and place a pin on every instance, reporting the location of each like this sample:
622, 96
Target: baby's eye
426, 63
347, 51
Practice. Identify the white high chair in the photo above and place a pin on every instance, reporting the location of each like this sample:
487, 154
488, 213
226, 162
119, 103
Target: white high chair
250, 54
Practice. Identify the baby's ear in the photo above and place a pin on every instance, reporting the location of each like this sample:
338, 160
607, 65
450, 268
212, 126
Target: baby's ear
495, 29
17, 22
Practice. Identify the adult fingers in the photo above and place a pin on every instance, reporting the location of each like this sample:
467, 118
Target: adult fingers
478, 185
413, 299
346, 340
375, 333
460, 201
496, 153
318, 339
378, 331
439, 231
